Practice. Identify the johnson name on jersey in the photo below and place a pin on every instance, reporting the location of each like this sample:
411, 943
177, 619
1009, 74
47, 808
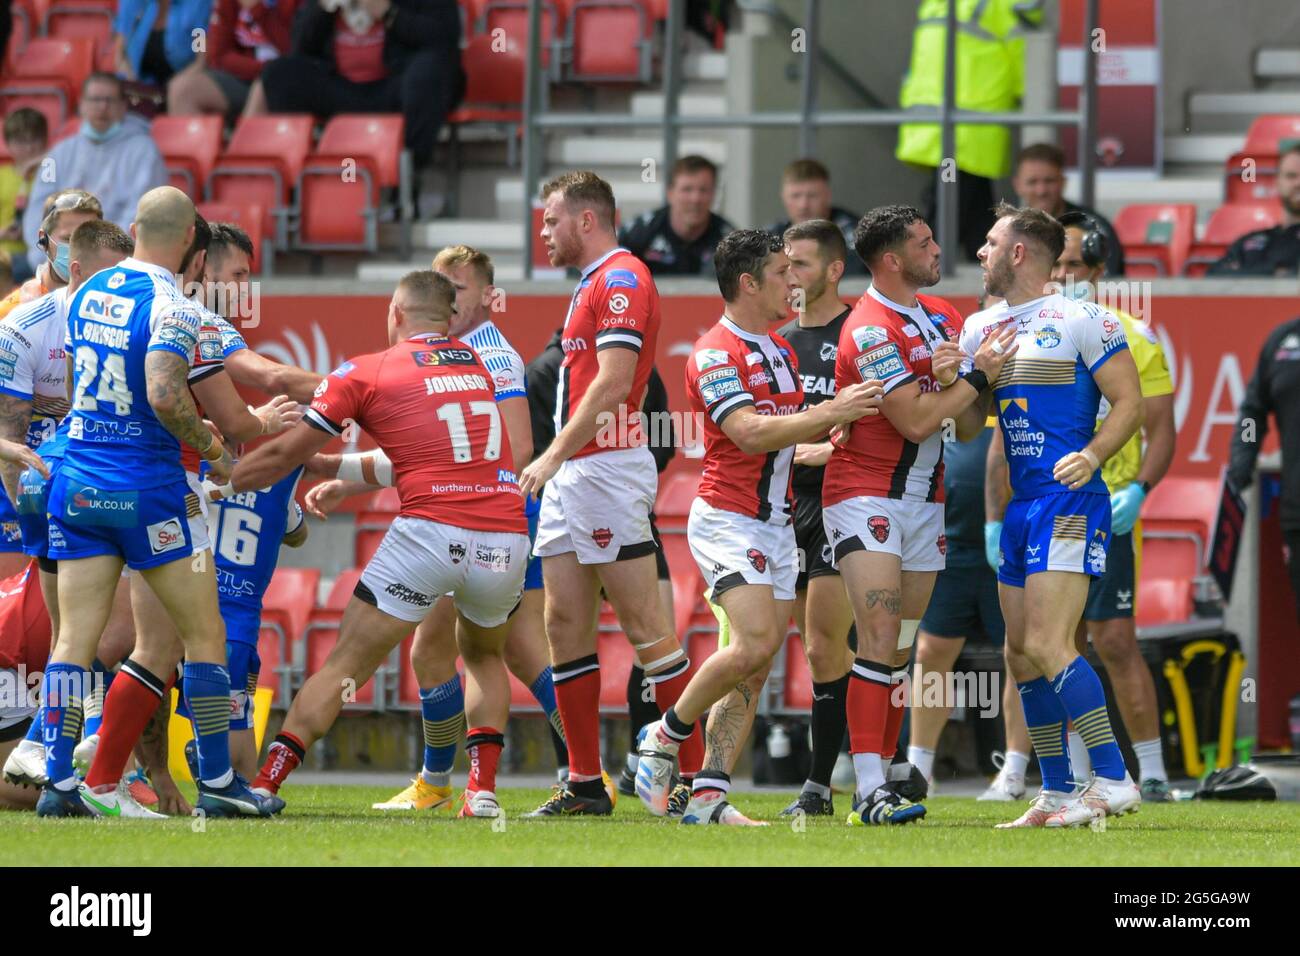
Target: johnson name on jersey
1046, 397
730, 369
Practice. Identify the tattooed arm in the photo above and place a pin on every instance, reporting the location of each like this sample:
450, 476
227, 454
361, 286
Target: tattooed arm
166, 377
151, 751
15, 416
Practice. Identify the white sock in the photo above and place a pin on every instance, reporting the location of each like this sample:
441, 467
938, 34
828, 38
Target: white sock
922, 759
811, 786
1080, 762
436, 779
870, 773
1151, 761
1016, 763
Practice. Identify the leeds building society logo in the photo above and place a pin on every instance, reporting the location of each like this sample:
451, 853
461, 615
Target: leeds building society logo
1097, 553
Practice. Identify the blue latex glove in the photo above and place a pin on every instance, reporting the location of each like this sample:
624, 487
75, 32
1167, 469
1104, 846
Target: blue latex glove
1125, 506
993, 543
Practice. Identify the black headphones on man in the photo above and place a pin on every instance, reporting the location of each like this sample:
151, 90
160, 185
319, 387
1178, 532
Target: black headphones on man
1094, 245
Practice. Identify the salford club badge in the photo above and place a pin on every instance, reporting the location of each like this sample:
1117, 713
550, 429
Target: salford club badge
602, 536
758, 559
942, 544
456, 551
878, 525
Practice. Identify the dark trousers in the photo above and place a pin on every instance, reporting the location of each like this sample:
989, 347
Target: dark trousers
426, 90
1292, 541
974, 211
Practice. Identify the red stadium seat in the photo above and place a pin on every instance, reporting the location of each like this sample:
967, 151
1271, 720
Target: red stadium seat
1251, 175
609, 40
511, 18
342, 211
1163, 601
1273, 132
189, 145
1156, 237
494, 96
49, 72
1182, 504
261, 164
273, 674
688, 585
321, 636
372, 524
796, 687
676, 495
286, 606
68, 23
342, 588
616, 657
1226, 225
248, 216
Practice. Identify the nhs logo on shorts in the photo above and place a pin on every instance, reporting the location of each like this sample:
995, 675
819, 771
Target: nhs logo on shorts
106, 307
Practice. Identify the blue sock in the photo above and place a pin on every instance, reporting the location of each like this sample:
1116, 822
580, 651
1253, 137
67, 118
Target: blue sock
543, 690
62, 691
102, 680
1078, 688
1047, 730
38, 725
443, 711
207, 694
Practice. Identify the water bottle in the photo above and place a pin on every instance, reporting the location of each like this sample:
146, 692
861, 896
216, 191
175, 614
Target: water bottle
778, 743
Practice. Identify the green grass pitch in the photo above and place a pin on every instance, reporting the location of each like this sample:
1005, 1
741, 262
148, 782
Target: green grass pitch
334, 826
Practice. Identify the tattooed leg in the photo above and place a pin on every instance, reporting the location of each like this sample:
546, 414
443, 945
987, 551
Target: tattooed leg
729, 724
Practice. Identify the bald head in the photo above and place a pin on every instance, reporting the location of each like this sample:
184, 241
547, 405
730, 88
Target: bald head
164, 219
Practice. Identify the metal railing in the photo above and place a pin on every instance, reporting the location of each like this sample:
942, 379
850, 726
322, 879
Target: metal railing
807, 118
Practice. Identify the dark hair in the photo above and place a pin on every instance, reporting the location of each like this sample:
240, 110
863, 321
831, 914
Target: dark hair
583, 189
805, 170
827, 235
96, 234
26, 125
692, 164
99, 76
743, 252
1041, 153
1034, 225
1294, 148
202, 238
226, 236
882, 230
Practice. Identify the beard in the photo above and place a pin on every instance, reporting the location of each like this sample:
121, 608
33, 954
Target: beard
568, 250
1291, 202
999, 278
814, 290
920, 277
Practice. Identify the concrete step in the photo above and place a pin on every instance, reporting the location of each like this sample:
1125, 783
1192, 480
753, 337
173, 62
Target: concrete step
692, 102
1277, 63
1207, 148
1114, 193
507, 265
705, 65
600, 150
634, 196
1232, 112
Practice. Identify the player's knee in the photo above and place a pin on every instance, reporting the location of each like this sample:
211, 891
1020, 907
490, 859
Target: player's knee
824, 654
1115, 641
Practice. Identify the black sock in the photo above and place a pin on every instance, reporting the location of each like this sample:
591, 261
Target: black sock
561, 748
639, 710
587, 788
829, 722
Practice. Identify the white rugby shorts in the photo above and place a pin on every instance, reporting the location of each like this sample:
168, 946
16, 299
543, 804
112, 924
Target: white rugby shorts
599, 507
733, 549
420, 560
912, 530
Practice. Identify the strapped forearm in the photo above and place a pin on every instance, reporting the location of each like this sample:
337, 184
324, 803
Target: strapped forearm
370, 467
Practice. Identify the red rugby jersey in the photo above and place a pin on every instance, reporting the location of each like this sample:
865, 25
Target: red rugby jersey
887, 341
429, 403
209, 359
730, 368
616, 306
24, 622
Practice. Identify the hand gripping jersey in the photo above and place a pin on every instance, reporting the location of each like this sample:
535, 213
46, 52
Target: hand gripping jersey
429, 404
729, 369
616, 306
1119, 470
893, 343
115, 319
1046, 397
246, 530
815, 350
209, 358
503, 363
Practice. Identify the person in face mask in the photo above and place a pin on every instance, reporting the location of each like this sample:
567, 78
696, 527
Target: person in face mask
111, 156
62, 212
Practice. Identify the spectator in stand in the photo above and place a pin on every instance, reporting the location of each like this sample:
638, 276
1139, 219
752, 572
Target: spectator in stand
154, 39
243, 36
372, 56
1039, 182
678, 239
1276, 251
27, 137
806, 195
112, 156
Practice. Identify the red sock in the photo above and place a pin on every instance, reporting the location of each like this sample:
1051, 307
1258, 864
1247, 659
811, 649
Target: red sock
483, 747
690, 755
868, 706
577, 695
893, 720
282, 758
128, 707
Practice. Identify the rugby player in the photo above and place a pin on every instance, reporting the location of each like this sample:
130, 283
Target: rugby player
1058, 526
883, 493
746, 381
818, 255
146, 676
1129, 475
64, 211
434, 649
593, 531
121, 496
428, 401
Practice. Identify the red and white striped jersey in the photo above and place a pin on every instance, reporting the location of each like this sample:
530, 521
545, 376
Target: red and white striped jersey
209, 359
616, 306
893, 343
729, 369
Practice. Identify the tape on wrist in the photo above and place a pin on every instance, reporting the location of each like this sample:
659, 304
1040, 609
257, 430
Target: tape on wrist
372, 467
1092, 458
